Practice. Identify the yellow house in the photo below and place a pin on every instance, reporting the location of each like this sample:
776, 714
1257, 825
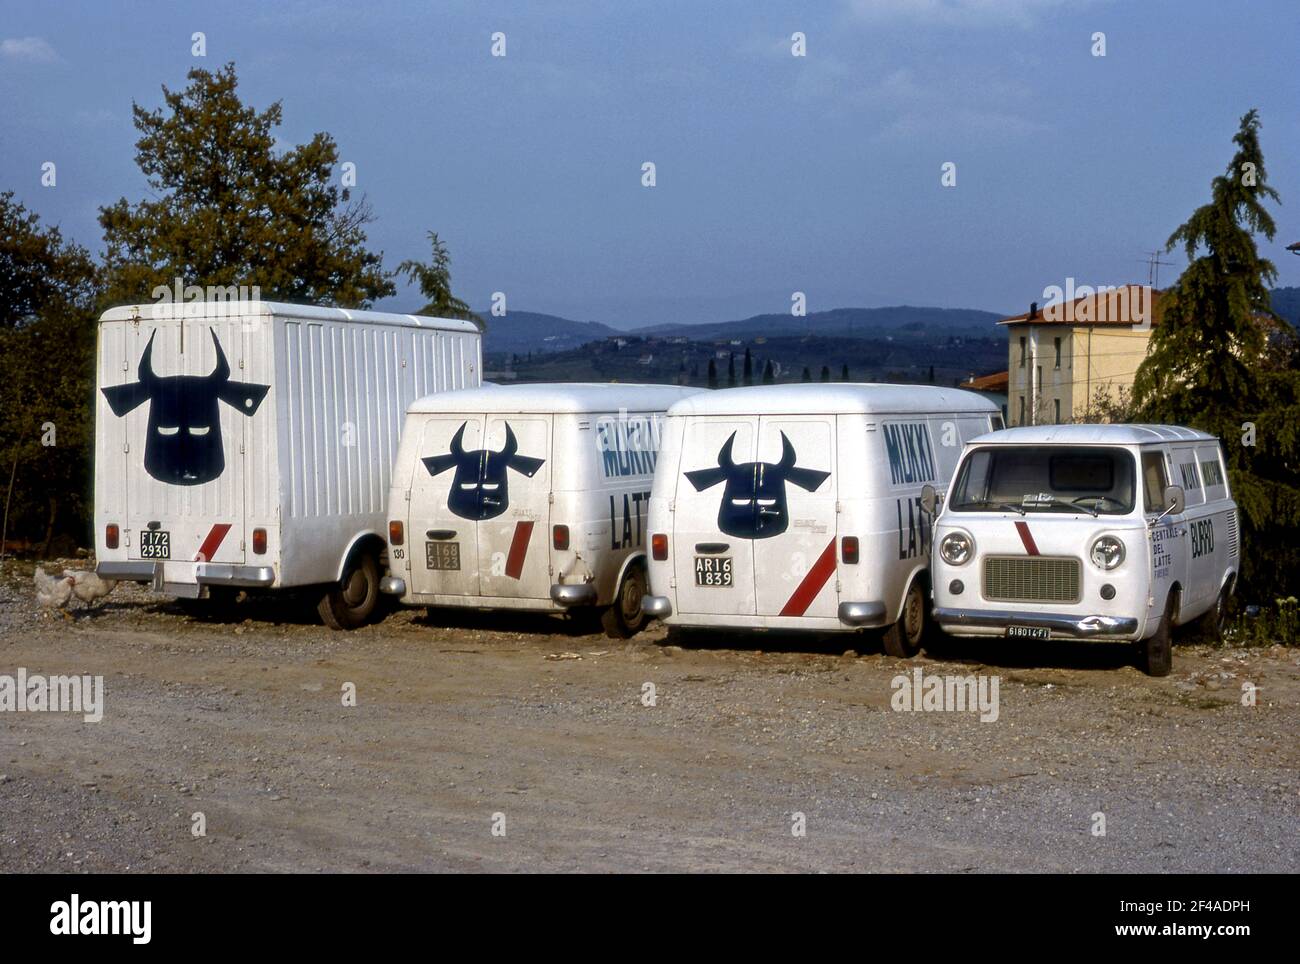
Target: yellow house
1066, 357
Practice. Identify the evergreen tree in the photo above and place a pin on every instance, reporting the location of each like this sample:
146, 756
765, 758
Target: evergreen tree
1212, 364
713, 374
434, 282
731, 370
749, 368
769, 374
807, 375
826, 373
844, 372
228, 208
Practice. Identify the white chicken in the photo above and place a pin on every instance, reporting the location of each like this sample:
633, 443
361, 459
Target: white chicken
88, 586
50, 592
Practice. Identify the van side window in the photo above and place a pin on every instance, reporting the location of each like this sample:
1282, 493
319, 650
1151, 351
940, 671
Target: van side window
1154, 481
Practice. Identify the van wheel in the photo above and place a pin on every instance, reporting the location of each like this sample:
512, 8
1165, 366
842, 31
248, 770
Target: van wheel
903, 639
1212, 623
352, 602
1156, 653
625, 618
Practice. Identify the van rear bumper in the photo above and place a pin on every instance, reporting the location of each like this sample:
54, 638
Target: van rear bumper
205, 574
862, 613
657, 607
579, 594
990, 622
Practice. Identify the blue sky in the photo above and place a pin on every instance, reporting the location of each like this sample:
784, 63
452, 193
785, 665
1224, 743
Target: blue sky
775, 173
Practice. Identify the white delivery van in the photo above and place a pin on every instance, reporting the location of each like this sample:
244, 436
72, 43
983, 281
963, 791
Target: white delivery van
798, 506
1110, 532
249, 444
527, 497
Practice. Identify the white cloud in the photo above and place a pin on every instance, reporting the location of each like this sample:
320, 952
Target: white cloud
31, 50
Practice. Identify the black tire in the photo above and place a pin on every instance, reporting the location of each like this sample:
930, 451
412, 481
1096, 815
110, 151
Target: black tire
624, 618
1155, 654
1211, 624
903, 639
352, 602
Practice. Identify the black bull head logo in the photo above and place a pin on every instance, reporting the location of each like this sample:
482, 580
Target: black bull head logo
183, 444
753, 503
480, 489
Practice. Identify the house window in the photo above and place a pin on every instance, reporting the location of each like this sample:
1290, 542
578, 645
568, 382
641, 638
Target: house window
1056, 404
1020, 420
1058, 353
1023, 351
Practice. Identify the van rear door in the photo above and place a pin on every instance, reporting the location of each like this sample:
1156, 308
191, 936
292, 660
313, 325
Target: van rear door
514, 528
185, 444
444, 507
713, 570
794, 566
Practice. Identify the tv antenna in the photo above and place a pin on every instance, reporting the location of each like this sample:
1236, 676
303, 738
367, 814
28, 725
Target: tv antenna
1153, 264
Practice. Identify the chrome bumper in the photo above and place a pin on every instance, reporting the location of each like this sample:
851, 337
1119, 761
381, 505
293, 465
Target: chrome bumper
656, 607
205, 574
393, 585
1071, 627
581, 594
862, 613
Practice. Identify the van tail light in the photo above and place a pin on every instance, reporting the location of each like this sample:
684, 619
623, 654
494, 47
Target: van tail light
112, 535
560, 537
659, 546
849, 550
259, 542
396, 535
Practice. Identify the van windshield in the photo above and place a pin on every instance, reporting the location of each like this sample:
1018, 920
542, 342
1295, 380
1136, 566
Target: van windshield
1045, 478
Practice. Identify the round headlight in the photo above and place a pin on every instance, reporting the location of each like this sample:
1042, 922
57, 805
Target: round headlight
1107, 552
956, 548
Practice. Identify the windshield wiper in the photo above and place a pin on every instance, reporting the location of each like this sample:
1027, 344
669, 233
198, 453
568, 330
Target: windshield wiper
984, 504
1072, 506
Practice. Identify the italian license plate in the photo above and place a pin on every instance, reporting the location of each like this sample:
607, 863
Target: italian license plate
155, 544
442, 555
713, 571
1029, 632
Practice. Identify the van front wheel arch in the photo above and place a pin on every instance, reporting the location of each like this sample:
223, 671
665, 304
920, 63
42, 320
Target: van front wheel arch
351, 601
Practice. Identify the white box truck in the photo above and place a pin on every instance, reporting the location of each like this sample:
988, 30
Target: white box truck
250, 444
799, 506
527, 497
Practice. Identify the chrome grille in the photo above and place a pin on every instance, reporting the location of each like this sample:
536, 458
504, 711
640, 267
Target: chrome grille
1031, 579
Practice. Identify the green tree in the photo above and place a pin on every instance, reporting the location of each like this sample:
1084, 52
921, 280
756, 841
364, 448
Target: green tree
434, 282
230, 208
731, 370
749, 368
47, 377
1213, 364
769, 373
713, 373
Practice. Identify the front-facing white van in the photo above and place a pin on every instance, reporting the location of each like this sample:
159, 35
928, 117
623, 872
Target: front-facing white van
528, 497
798, 506
249, 444
1101, 532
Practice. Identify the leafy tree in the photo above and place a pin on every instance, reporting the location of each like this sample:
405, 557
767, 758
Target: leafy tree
47, 347
1220, 360
434, 281
229, 208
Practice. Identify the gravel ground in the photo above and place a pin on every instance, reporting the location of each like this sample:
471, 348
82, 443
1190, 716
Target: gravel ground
467, 722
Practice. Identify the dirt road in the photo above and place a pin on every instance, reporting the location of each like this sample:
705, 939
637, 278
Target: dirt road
479, 741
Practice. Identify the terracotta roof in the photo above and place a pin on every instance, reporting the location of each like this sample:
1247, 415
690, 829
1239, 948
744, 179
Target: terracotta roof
1124, 305
997, 382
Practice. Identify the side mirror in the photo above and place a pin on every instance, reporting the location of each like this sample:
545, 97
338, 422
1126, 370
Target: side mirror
929, 499
1175, 501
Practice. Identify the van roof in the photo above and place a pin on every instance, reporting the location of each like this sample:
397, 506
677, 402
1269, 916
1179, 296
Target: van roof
1093, 435
554, 397
172, 310
823, 398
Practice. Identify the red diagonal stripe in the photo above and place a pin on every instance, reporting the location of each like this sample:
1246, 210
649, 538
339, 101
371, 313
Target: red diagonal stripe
1027, 538
212, 543
518, 549
813, 581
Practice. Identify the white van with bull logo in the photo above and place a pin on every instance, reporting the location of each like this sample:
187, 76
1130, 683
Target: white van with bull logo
1104, 532
798, 506
249, 444
527, 497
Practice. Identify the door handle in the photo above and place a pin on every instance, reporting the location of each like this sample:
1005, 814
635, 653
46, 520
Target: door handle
711, 548
440, 534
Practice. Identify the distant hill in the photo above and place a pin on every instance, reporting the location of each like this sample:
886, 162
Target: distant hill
519, 332
853, 322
